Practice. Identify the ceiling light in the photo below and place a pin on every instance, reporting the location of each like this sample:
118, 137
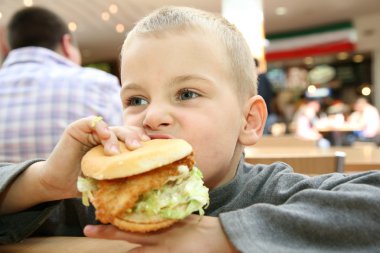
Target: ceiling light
105, 16
366, 91
28, 3
113, 8
308, 60
72, 26
358, 58
311, 89
342, 56
119, 28
280, 11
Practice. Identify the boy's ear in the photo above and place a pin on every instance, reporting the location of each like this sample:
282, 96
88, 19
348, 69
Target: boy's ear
255, 115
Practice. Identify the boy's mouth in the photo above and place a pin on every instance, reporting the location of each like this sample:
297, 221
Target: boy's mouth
160, 136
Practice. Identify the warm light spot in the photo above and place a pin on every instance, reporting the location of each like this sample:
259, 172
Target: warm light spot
358, 58
280, 11
28, 3
308, 60
311, 89
113, 8
1, 15
72, 26
342, 56
119, 28
366, 91
105, 16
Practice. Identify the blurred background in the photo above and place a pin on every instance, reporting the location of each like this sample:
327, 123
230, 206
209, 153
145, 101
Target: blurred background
328, 50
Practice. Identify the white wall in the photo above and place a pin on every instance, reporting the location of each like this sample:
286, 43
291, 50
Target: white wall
368, 30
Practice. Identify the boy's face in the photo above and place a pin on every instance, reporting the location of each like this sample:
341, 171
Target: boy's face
179, 86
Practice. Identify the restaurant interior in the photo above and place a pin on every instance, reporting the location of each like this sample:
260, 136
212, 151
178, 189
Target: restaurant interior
325, 52
310, 50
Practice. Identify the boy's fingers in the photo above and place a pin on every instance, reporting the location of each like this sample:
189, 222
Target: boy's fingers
97, 124
111, 145
111, 232
132, 136
147, 249
107, 138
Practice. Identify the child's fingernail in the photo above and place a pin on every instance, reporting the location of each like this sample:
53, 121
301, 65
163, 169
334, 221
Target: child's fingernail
89, 229
145, 137
107, 130
114, 149
135, 144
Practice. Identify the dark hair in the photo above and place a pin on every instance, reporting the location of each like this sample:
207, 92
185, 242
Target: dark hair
257, 63
36, 26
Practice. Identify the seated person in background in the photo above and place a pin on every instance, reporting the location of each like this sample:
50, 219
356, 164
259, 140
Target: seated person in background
205, 93
305, 121
43, 88
366, 118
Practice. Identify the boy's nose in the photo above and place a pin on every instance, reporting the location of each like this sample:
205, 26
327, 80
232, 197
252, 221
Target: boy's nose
157, 117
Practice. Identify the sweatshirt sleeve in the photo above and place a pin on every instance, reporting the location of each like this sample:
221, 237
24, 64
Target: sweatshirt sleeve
9, 171
56, 218
328, 213
18, 226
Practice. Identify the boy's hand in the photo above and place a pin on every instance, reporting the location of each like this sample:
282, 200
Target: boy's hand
193, 234
61, 170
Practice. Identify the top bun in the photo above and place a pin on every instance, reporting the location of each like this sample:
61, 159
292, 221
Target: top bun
153, 154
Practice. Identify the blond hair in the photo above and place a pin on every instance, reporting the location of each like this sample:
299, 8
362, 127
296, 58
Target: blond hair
175, 19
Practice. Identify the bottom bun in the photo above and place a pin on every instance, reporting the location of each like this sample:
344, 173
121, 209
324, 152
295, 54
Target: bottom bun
142, 227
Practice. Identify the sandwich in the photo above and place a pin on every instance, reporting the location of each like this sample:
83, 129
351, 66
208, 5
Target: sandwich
146, 189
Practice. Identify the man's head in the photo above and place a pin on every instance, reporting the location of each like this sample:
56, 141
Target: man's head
39, 27
181, 79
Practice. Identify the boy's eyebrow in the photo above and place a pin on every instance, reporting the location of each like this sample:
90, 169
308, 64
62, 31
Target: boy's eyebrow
186, 78
129, 86
174, 81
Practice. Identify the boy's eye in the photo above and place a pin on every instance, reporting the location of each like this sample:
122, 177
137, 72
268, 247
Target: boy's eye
186, 94
135, 101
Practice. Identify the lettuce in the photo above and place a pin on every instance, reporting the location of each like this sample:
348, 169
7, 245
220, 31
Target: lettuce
180, 197
86, 186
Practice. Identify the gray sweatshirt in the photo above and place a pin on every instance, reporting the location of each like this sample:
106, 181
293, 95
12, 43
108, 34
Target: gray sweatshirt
265, 208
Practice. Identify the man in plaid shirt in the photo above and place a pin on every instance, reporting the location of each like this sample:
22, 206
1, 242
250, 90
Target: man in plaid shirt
43, 88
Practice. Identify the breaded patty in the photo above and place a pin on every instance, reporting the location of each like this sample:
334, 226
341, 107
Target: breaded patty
115, 197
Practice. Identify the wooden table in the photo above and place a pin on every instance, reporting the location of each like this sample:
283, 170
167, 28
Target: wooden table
68, 245
304, 160
337, 134
284, 141
357, 158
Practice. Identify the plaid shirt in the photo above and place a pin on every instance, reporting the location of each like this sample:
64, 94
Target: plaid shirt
41, 92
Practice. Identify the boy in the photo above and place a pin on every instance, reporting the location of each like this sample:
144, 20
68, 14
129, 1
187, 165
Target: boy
187, 74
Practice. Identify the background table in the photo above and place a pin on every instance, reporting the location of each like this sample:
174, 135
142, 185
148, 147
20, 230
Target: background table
357, 159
